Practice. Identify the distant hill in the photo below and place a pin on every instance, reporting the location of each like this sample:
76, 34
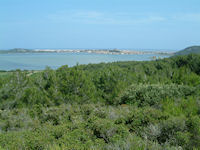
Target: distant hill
189, 50
16, 50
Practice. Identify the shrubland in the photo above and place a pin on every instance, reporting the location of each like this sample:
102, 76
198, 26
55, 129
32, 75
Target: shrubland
121, 105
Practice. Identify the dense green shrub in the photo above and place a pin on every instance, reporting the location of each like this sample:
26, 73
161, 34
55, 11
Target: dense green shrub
75, 85
144, 95
110, 82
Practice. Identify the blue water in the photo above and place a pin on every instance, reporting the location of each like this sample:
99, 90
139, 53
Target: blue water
38, 61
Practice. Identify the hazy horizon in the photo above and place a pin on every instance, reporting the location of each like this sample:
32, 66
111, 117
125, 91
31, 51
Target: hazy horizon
136, 49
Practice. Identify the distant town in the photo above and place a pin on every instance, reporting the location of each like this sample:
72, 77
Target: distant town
96, 51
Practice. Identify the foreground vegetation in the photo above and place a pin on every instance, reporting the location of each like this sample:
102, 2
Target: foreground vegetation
124, 105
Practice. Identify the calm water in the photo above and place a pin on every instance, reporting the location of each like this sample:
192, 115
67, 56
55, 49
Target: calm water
38, 61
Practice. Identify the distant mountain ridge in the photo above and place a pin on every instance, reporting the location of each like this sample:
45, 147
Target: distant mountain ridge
189, 50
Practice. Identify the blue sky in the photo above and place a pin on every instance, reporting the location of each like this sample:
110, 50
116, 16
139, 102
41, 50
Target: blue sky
141, 24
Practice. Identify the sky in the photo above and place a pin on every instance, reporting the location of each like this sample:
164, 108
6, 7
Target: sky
133, 24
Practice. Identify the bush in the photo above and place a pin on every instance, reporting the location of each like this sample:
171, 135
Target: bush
148, 95
108, 131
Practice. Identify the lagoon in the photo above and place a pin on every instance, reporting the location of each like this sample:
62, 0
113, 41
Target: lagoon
39, 61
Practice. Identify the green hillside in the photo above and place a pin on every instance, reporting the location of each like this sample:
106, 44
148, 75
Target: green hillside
189, 50
131, 105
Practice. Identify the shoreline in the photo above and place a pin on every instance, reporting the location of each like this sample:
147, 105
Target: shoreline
91, 51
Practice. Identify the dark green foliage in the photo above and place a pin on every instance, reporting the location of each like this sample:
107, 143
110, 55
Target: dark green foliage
75, 85
122, 105
191, 61
110, 82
